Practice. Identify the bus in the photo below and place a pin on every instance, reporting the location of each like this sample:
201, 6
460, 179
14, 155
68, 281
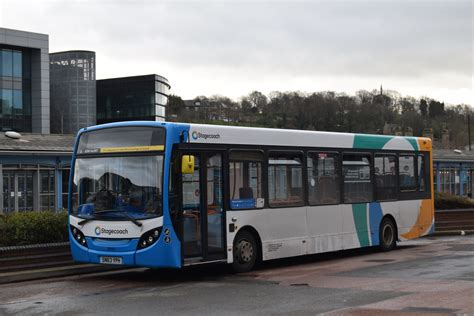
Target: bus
160, 194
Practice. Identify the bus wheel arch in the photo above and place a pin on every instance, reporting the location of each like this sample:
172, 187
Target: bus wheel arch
247, 249
388, 233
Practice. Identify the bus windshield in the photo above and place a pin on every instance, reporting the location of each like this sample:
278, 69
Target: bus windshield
112, 186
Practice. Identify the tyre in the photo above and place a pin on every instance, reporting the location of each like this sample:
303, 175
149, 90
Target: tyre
387, 234
245, 252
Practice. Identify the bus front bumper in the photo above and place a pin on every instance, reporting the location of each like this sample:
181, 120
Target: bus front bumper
162, 254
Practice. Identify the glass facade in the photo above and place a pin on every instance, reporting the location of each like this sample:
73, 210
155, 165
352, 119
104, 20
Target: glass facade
15, 89
73, 91
453, 178
132, 98
31, 187
17, 190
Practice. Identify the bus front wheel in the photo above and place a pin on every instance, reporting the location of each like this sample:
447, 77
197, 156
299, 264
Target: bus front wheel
245, 252
387, 234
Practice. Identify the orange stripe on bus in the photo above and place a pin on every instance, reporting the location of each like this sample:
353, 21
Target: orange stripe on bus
423, 222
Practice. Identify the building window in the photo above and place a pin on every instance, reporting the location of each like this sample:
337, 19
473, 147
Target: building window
7, 63
323, 178
17, 64
17, 102
245, 174
47, 190
385, 170
160, 87
160, 110
357, 183
7, 101
65, 188
161, 99
285, 179
407, 172
17, 188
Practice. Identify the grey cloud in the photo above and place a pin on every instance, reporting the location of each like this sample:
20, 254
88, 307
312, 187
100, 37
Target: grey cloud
396, 39
370, 39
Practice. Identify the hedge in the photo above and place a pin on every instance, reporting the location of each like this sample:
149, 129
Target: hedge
27, 228
444, 201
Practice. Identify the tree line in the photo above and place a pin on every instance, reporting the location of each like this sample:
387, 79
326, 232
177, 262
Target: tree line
364, 112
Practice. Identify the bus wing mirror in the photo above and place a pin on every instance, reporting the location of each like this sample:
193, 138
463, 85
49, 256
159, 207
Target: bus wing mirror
187, 164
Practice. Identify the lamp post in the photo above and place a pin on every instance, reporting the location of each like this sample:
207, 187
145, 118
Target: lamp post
469, 130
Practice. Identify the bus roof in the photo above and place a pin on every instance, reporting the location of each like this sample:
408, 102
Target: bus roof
221, 134
217, 134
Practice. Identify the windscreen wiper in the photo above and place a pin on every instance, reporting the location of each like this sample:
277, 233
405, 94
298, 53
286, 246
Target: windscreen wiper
131, 218
85, 220
128, 216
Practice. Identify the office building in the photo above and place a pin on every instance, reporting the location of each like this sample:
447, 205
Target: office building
58, 92
73, 91
24, 81
132, 98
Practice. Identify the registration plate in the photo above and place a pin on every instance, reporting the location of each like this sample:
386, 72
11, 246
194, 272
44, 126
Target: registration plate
111, 260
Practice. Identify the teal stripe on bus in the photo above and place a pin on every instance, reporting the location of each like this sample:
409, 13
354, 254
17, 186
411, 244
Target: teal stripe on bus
413, 142
378, 141
371, 141
359, 211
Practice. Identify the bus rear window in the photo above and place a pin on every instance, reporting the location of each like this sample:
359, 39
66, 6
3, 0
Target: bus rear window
407, 172
122, 139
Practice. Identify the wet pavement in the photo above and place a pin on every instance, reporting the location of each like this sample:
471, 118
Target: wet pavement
430, 276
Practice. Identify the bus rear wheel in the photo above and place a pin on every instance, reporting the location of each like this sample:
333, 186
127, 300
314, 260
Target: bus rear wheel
245, 252
387, 234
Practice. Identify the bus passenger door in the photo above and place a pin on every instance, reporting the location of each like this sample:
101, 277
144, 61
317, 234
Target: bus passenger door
203, 220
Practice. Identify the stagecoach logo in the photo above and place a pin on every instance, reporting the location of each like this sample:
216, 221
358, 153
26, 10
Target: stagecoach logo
101, 231
197, 135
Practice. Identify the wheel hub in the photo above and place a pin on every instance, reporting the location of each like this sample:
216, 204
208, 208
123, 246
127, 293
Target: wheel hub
245, 251
387, 235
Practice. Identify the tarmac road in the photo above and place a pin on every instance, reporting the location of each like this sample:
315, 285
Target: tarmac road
430, 276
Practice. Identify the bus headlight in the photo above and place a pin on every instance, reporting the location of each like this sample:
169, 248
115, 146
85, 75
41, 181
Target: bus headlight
149, 238
78, 236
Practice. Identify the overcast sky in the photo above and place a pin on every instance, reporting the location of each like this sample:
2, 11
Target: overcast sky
419, 48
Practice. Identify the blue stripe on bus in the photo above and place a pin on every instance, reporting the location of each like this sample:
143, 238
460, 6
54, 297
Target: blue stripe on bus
375, 217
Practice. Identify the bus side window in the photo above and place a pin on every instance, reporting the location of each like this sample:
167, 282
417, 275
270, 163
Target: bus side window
421, 173
285, 179
357, 181
407, 172
323, 178
385, 177
245, 177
